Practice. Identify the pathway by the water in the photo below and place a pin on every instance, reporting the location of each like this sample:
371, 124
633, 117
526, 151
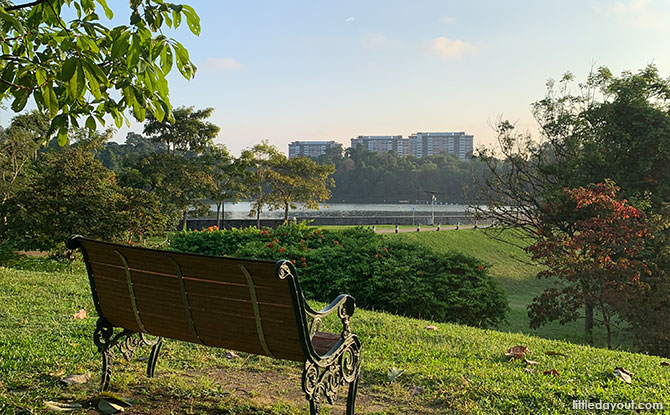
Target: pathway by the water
424, 229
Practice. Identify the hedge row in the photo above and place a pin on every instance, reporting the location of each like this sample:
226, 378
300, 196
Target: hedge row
380, 272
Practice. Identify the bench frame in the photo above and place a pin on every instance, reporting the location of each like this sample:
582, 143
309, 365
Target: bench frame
323, 374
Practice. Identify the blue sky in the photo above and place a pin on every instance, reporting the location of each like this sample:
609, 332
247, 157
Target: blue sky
315, 70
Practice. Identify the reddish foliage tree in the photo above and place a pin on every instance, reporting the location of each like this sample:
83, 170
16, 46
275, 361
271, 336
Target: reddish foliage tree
598, 264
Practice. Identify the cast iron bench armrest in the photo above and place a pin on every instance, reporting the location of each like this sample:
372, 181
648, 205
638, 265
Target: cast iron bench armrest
344, 305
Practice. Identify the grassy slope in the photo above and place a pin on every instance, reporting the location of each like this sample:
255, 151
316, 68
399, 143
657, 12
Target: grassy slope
461, 368
512, 268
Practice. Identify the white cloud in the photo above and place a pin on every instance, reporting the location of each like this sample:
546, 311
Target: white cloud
222, 65
449, 49
642, 14
349, 19
376, 40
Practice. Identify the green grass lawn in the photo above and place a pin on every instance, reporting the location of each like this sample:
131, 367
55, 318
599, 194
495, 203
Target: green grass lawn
455, 369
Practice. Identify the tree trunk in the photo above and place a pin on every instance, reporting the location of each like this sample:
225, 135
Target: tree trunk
258, 212
185, 211
218, 211
286, 213
588, 323
223, 215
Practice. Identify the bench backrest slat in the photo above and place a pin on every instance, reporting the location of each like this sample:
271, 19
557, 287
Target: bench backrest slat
200, 299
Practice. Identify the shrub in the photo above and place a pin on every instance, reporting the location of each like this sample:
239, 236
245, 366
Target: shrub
381, 273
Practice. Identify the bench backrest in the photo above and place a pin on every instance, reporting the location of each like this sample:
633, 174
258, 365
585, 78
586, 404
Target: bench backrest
245, 305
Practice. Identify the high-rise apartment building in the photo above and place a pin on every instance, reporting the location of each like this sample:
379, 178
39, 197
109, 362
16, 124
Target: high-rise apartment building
311, 148
430, 144
419, 144
381, 143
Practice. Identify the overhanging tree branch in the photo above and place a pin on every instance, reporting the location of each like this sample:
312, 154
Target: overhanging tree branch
26, 5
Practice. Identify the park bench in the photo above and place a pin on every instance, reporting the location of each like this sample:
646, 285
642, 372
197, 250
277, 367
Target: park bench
244, 305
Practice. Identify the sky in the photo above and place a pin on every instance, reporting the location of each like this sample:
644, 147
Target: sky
315, 70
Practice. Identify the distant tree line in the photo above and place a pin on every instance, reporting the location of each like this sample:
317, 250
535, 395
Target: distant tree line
364, 176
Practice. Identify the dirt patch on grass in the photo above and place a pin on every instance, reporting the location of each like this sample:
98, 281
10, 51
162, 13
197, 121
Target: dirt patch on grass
248, 391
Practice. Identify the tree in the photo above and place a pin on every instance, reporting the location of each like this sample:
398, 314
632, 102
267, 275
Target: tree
230, 178
142, 214
298, 180
76, 69
180, 183
598, 263
188, 130
616, 128
264, 156
18, 148
71, 193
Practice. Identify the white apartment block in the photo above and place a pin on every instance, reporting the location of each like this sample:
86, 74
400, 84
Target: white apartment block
419, 144
311, 149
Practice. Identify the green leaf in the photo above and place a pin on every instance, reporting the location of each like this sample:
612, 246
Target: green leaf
67, 70
62, 137
90, 124
120, 45
50, 100
157, 110
166, 59
139, 112
176, 18
20, 100
11, 20
108, 11
192, 19
40, 76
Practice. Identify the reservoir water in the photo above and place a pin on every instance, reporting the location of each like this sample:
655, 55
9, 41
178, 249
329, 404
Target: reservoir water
241, 210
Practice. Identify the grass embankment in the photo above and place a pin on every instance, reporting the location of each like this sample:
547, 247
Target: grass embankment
453, 369
512, 267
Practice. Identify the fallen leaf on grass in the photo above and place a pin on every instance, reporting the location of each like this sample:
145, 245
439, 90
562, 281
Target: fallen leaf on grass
665, 364
62, 407
80, 315
231, 355
518, 352
529, 370
531, 362
550, 353
551, 372
394, 373
123, 401
107, 407
430, 328
57, 373
417, 390
623, 374
76, 379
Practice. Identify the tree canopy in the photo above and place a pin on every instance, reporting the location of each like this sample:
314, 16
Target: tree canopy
81, 68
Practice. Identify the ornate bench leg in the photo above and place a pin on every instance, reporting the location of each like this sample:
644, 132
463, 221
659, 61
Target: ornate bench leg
153, 357
351, 396
323, 379
102, 337
107, 357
